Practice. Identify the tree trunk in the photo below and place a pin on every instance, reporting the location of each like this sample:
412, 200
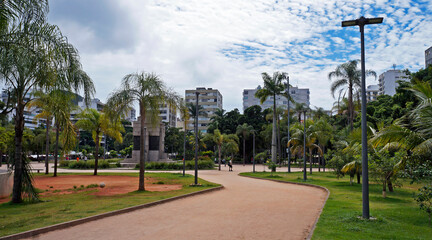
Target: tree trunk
184, 150
56, 149
390, 185
350, 107
273, 146
310, 161
47, 145
19, 128
323, 158
97, 153
279, 143
358, 178
384, 193
219, 154
142, 149
319, 164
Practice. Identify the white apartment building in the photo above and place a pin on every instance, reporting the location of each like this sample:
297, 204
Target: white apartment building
387, 81
300, 95
209, 99
372, 92
428, 57
168, 115
30, 120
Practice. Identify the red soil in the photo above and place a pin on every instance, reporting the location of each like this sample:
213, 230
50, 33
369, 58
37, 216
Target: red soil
113, 185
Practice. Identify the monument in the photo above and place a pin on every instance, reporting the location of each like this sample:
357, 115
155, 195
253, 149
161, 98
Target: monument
154, 144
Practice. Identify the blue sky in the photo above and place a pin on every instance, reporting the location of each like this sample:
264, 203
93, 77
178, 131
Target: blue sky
227, 44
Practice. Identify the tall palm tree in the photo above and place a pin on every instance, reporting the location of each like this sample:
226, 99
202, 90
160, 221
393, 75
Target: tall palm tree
150, 92
245, 130
184, 113
99, 124
273, 86
347, 74
280, 110
39, 56
299, 108
230, 145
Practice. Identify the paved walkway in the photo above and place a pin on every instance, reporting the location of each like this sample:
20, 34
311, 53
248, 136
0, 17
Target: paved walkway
246, 209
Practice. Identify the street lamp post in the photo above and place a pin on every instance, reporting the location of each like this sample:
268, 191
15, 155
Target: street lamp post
304, 146
361, 22
184, 152
196, 138
288, 149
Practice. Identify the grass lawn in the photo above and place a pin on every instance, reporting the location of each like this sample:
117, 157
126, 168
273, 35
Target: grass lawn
15, 218
397, 216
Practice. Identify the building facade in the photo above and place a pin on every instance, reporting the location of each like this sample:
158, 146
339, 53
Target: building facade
428, 57
372, 92
387, 81
300, 95
168, 115
209, 100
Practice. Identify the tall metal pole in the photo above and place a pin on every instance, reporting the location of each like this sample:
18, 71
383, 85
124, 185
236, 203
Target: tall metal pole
365, 180
304, 147
253, 151
288, 149
196, 138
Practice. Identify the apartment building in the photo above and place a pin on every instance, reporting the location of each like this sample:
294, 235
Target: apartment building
300, 95
209, 100
387, 81
372, 92
428, 57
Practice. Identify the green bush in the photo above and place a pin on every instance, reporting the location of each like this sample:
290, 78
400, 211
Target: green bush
190, 165
90, 164
64, 163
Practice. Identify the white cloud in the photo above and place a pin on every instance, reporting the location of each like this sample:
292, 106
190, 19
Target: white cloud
227, 44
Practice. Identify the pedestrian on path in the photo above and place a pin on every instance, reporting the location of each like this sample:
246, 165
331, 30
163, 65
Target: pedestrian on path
230, 165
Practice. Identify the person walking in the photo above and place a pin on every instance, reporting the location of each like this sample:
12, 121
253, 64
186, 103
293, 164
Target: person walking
230, 165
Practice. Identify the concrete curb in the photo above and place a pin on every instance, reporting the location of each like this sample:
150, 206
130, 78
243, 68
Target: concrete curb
34, 232
309, 236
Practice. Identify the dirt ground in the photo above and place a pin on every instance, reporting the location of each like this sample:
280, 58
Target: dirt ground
113, 185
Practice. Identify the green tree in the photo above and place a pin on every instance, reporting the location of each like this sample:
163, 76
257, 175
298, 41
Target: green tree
39, 56
150, 92
244, 130
217, 138
273, 86
99, 124
347, 74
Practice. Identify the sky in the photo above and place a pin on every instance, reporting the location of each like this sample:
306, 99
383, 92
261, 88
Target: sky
227, 44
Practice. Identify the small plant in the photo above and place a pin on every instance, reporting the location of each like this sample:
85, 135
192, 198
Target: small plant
82, 186
424, 199
94, 185
272, 166
159, 182
75, 187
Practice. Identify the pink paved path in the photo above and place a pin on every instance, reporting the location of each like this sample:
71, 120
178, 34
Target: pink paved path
245, 209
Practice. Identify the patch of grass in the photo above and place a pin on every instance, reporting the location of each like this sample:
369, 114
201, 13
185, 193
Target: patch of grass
396, 217
55, 208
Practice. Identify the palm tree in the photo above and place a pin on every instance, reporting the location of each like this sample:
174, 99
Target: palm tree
230, 146
184, 112
299, 108
217, 138
244, 130
58, 105
39, 56
348, 74
324, 132
217, 118
353, 168
150, 92
273, 86
296, 141
280, 110
99, 124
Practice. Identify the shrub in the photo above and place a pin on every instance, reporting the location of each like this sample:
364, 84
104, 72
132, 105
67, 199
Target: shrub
90, 164
190, 165
64, 163
424, 199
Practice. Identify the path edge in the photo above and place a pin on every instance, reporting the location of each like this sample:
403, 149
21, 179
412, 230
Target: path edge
309, 236
59, 226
